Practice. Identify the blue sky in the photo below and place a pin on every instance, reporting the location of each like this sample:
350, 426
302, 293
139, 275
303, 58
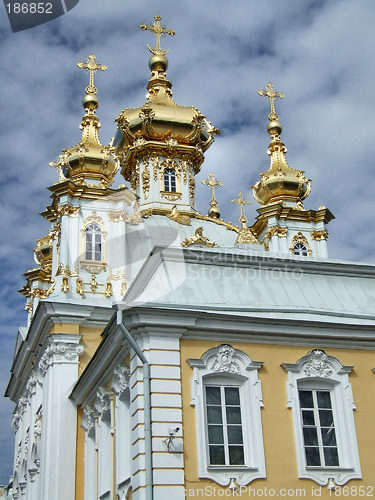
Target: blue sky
318, 53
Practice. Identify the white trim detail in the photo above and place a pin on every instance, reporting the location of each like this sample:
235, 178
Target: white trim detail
317, 370
224, 365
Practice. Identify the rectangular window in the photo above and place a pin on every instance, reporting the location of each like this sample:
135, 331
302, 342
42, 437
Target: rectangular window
224, 426
318, 428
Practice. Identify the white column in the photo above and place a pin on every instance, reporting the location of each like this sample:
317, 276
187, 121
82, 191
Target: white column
59, 363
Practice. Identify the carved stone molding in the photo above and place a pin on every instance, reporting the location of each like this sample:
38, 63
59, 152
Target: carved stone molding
103, 401
31, 383
59, 351
88, 419
317, 366
19, 411
120, 379
224, 361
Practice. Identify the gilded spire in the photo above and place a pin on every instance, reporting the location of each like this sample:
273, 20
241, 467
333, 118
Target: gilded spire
280, 183
158, 30
271, 94
90, 163
240, 201
91, 66
213, 184
245, 235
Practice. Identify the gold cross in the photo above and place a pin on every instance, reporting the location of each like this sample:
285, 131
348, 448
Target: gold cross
242, 202
212, 183
158, 30
92, 67
271, 94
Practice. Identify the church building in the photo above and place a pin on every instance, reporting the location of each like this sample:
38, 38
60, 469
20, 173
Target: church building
170, 353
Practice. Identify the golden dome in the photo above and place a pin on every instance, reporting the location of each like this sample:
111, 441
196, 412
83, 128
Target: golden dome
279, 183
161, 124
89, 163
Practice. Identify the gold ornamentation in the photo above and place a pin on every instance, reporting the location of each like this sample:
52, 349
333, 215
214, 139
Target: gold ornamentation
155, 166
93, 283
146, 182
65, 284
43, 253
281, 232
30, 307
245, 234
93, 218
108, 289
55, 232
124, 287
266, 245
79, 286
91, 66
59, 165
92, 268
171, 196
300, 238
319, 234
68, 210
213, 183
178, 217
198, 239
158, 30
271, 94
116, 277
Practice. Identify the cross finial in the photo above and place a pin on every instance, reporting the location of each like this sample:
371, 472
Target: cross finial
242, 204
92, 67
212, 183
158, 30
271, 94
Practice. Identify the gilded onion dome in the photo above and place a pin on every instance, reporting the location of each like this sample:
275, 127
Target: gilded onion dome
279, 183
89, 163
160, 125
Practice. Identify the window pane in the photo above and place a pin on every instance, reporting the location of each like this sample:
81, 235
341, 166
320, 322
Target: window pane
306, 399
312, 456
324, 399
232, 396
236, 455
214, 415
233, 414
215, 434
331, 456
328, 436
308, 417
235, 434
213, 395
326, 418
310, 436
217, 456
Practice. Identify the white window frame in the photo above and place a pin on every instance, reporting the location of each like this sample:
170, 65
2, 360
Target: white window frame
169, 175
91, 232
226, 366
318, 370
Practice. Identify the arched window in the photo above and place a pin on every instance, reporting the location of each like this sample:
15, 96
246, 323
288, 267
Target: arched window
170, 183
321, 400
93, 242
227, 399
300, 249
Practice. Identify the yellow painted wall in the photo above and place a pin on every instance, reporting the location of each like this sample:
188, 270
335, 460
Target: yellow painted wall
278, 434
91, 339
80, 455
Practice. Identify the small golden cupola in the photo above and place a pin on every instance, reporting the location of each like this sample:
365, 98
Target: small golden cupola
162, 143
280, 183
89, 163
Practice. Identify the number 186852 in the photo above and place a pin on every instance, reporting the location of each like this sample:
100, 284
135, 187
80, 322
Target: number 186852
29, 8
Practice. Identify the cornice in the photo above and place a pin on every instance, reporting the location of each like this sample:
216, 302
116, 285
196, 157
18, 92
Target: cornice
283, 212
